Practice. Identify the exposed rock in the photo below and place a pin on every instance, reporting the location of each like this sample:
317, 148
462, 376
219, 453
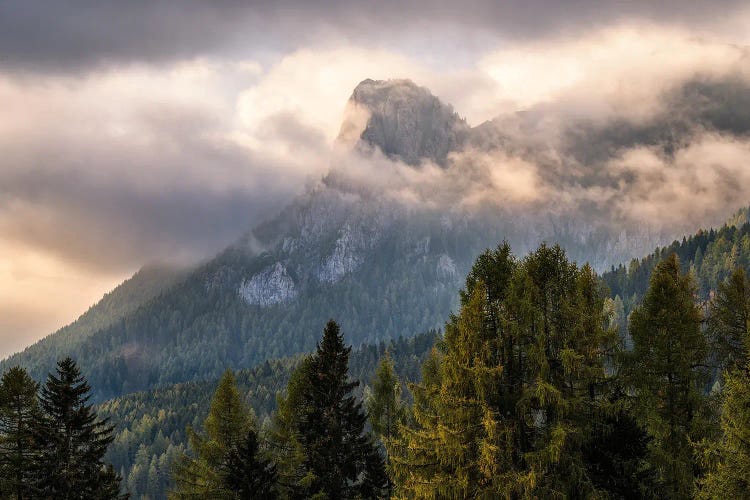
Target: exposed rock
405, 121
446, 268
346, 257
271, 286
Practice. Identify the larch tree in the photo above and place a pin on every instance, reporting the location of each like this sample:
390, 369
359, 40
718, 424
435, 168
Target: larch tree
384, 405
729, 455
728, 319
668, 375
226, 426
506, 402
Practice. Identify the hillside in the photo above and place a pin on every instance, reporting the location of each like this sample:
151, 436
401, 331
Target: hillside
710, 255
144, 286
151, 425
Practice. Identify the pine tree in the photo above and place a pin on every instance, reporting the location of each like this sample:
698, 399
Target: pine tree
337, 458
73, 440
248, 475
18, 413
226, 426
668, 375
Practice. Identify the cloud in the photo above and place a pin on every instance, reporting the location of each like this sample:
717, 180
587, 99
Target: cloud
65, 36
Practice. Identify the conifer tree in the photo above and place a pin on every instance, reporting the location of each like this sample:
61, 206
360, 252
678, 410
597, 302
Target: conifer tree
226, 426
18, 413
668, 375
337, 458
506, 404
730, 475
728, 321
729, 456
248, 475
283, 434
384, 406
72, 440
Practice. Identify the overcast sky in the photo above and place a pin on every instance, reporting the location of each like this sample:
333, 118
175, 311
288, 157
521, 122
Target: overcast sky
153, 130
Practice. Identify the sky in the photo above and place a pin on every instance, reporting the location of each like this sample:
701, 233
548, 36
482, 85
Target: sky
145, 131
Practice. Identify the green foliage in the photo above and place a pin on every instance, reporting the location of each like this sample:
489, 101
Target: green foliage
72, 440
667, 372
151, 425
19, 412
384, 403
728, 321
711, 256
248, 474
729, 474
227, 424
506, 402
320, 430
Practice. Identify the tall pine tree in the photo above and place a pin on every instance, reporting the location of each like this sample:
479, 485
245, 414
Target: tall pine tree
18, 413
668, 375
338, 459
73, 440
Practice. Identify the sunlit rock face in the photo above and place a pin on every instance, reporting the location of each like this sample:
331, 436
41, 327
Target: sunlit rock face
271, 286
406, 121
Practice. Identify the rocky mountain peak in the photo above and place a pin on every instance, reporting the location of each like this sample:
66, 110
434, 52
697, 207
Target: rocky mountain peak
405, 121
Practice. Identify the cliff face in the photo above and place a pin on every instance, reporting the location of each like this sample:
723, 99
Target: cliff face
406, 121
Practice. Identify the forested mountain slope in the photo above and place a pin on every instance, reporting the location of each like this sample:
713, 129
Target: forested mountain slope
710, 255
151, 425
145, 285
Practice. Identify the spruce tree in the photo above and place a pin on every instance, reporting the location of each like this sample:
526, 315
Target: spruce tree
248, 475
18, 413
668, 375
226, 426
337, 458
73, 440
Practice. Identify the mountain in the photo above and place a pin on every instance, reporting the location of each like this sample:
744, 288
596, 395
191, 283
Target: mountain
144, 286
404, 121
383, 253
